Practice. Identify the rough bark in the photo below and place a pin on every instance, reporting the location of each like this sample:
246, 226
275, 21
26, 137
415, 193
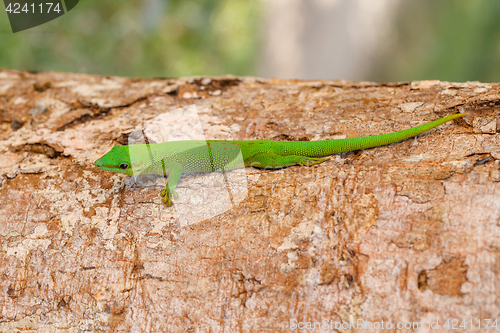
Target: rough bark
408, 232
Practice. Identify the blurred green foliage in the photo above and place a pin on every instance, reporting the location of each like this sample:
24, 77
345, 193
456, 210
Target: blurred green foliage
148, 38
445, 40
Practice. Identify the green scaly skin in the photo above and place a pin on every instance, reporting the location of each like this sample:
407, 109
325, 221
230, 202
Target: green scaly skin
172, 159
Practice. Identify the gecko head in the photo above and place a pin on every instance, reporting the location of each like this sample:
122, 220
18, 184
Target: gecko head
128, 160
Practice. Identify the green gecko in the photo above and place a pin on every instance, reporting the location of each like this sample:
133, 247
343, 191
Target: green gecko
174, 158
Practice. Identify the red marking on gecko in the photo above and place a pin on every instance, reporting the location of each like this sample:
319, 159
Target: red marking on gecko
251, 143
261, 143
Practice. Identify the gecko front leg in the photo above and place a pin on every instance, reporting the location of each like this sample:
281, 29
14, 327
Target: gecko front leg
174, 172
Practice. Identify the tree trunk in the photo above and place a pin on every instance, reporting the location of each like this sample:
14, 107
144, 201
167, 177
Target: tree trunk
407, 233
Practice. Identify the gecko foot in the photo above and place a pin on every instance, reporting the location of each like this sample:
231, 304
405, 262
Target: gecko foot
308, 161
167, 195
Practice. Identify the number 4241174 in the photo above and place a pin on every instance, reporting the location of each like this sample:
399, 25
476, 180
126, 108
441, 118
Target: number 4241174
487, 323
15, 8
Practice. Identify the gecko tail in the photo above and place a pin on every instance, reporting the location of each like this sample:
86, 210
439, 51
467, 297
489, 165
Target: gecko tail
331, 147
385, 139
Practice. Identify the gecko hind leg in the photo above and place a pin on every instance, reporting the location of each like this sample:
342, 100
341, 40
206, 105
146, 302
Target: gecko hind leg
273, 161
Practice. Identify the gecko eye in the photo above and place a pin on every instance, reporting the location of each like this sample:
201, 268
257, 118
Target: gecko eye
123, 166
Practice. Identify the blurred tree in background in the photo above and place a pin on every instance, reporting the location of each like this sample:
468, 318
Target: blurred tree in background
445, 40
149, 38
420, 39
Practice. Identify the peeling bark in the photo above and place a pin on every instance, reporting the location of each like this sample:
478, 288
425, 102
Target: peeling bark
408, 232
